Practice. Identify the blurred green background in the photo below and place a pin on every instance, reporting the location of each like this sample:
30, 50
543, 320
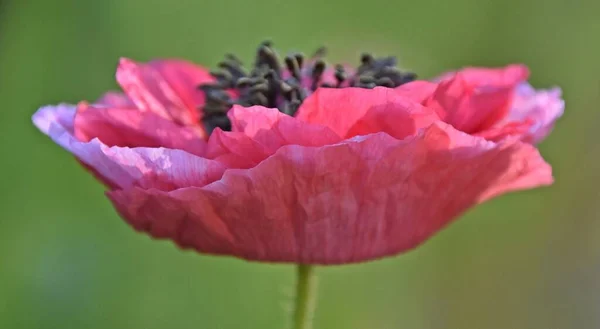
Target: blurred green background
527, 260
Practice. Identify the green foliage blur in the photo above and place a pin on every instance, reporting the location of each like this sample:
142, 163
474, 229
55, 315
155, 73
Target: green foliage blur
528, 260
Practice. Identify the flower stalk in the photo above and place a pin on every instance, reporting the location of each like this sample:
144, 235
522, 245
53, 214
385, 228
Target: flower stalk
305, 299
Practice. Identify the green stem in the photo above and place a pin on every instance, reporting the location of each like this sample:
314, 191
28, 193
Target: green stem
305, 297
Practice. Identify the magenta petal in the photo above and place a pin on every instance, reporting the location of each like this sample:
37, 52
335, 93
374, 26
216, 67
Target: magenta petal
184, 78
129, 127
165, 87
123, 167
475, 99
364, 198
356, 111
509, 75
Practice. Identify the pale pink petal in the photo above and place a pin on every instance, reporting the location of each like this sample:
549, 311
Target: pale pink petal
165, 87
123, 167
55, 119
129, 127
364, 198
115, 99
357, 111
535, 110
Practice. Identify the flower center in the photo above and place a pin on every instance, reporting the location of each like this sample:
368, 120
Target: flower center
284, 86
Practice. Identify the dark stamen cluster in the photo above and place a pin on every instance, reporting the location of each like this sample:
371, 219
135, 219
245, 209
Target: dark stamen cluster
284, 86
375, 72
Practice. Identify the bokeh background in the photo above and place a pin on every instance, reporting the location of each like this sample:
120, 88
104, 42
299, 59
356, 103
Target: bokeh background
527, 260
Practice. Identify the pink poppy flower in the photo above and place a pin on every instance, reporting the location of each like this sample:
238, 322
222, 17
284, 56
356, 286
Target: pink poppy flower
305, 164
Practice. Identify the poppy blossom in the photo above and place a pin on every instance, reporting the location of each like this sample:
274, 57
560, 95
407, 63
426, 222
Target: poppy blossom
297, 162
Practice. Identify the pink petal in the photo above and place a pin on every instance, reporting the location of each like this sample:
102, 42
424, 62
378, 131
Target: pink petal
418, 90
535, 111
123, 167
364, 198
273, 129
252, 120
165, 87
474, 99
356, 111
478, 76
502, 130
115, 99
129, 127
235, 149
258, 132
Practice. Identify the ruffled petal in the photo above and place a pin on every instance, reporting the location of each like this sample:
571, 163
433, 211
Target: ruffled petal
165, 87
123, 167
361, 199
235, 149
532, 115
273, 129
504, 130
258, 132
355, 111
127, 127
475, 99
